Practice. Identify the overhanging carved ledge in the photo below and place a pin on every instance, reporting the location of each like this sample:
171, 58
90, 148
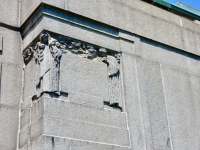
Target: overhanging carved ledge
47, 53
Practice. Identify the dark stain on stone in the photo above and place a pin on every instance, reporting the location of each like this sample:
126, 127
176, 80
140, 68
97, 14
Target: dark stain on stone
53, 142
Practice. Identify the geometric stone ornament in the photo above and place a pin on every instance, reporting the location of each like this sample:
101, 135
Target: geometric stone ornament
48, 52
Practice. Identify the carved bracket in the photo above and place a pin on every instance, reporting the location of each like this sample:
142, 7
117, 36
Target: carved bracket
47, 53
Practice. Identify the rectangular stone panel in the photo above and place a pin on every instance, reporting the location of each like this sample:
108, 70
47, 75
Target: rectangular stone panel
79, 130
84, 145
68, 110
182, 100
155, 119
46, 142
29, 84
85, 131
133, 101
84, 76
78, 121
24, 136
11, 84
25, 119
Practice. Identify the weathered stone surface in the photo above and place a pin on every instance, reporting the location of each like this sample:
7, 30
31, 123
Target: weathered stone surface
182, 101
24, 136
86, 99
153, 105
78, 121
37, 128
25, 13
56, 143
25, 118
85, 131
9, 123
29, 85
82, 145
172, 57
72, 30
133, 101
11, 46
84, 76
11, 84
79, 112
9, 12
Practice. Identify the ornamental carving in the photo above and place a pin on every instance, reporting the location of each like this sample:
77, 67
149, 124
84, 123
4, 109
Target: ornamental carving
47, 53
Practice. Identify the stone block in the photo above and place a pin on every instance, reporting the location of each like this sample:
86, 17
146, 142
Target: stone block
66, 119
153, 105
37, 109
68, 110
24, 136
45, 142
127, 46
182, 100
25, 118
37, 128
169, 56
84, 145
9, 123
85, 131
84, 76
11, 85
79, 130
29, 84
9, 12
11, 46
133, 101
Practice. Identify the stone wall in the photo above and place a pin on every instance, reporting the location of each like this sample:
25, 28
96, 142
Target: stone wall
100, 75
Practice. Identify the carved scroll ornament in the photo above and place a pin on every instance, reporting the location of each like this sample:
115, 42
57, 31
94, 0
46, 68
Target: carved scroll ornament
48, 53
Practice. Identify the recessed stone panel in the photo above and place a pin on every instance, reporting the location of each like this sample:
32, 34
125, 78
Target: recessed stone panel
84, 76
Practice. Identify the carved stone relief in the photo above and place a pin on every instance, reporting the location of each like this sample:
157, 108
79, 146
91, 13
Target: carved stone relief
47, 53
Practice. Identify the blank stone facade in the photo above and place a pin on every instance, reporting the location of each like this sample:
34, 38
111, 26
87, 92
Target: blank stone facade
98, 75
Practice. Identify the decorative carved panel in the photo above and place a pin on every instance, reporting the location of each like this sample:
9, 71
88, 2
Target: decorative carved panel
48, 52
